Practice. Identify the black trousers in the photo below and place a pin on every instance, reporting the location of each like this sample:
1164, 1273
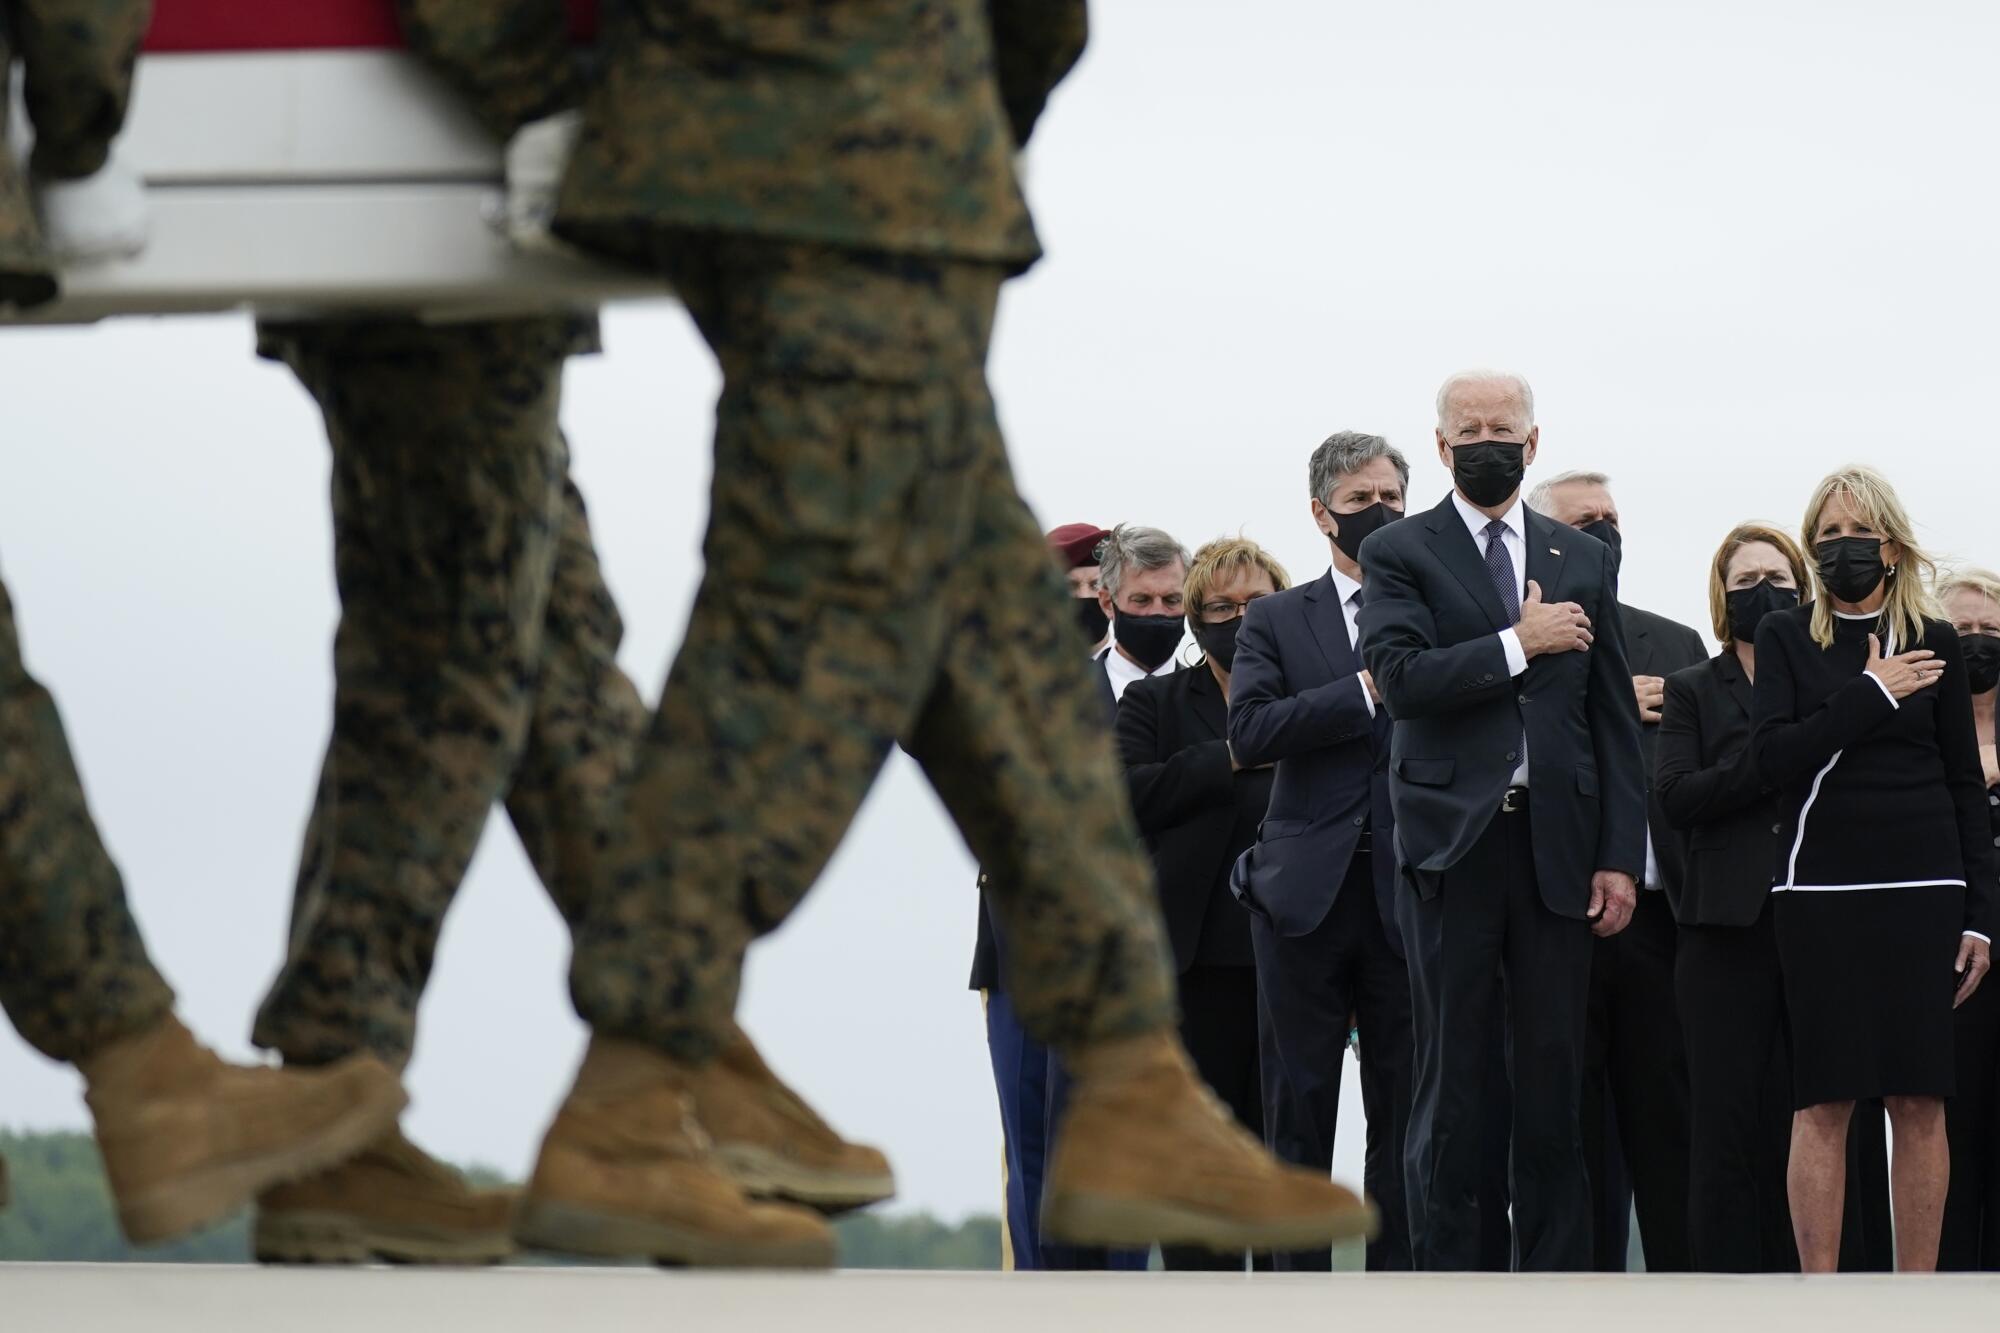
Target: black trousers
1971, 1239
1487, 914
1732, 1005
1309, 988
1219, 1029
1635, 1095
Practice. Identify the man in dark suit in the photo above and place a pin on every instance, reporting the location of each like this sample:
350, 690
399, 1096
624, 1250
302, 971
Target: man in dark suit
1635, 1085
1494, 638
1141, 588
1320, 882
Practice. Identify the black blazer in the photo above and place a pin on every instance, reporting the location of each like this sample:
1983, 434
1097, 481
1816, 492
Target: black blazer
1714, 797
1296, 698
1170, 735
1430, 634
1658, 646
985, 947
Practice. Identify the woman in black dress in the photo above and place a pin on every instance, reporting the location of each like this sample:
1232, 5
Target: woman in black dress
1971, 1237
1885, 869
1199, 812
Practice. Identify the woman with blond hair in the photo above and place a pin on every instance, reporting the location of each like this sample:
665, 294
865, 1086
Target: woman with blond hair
1199, 810
1885, 869
1971, 1235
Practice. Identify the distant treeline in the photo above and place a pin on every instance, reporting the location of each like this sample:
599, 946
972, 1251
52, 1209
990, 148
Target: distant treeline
61, 1211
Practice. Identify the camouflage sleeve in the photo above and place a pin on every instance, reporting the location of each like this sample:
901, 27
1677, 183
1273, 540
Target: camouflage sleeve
1035, 43
77, 58
510, 59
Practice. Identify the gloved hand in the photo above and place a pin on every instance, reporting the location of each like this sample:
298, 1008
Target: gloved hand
96, 217
537, 156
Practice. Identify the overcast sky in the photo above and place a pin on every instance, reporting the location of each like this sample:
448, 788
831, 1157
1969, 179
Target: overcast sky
1732, 245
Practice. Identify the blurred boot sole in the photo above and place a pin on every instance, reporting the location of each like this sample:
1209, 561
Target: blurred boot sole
564, 1228
340, 1238
193, 1201
1097, 1219
766, 1175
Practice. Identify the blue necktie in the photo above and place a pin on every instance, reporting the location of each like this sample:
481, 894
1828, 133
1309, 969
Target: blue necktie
1500, 567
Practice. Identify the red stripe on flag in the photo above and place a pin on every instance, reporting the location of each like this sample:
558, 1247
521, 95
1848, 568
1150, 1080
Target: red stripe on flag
297, 25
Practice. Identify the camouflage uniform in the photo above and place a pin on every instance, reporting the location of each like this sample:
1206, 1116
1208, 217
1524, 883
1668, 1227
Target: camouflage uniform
830, 187
476, 659
77, 57
74, 975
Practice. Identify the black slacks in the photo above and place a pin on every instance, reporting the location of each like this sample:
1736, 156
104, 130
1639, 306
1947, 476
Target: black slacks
1309, 988
1732, 1004
1971, 1239
1488, 914
1635, 1095
1219, 1029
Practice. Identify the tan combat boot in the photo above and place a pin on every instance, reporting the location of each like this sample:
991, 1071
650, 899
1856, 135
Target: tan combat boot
188, 1139
1147, 1153
775, 1145
627, 1172
393, 1202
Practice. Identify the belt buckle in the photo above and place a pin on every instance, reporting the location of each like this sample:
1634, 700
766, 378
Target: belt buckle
1514, 801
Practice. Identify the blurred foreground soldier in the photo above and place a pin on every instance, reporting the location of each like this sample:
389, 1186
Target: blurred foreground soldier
1320, 883
476, 661
1026, 1076
830, 188
186, 1138
1493, 635
76, 59
1635, 1082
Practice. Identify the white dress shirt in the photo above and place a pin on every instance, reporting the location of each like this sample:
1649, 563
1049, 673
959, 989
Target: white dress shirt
1350, 607
1516, 539
1123, 670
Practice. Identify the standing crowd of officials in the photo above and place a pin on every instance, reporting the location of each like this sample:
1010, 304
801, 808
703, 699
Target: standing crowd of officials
1616, 927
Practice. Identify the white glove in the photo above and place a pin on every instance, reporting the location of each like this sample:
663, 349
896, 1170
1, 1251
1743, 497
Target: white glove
537, 156
101, 216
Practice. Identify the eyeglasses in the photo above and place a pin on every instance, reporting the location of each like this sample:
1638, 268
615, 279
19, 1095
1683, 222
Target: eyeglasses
1221, 610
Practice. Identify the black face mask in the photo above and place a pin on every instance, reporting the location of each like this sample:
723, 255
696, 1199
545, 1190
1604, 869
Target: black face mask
1982, 661
1489, 471
1150, 640
1748, 607
1355, 527
1219, 641
1090, 618
1850, 567
1607, 532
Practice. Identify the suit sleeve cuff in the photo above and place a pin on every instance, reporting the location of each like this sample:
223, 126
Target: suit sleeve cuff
1366, 697
1894, 702
1517, 656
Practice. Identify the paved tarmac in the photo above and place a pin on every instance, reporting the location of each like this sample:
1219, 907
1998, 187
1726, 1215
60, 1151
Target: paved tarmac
165, 1298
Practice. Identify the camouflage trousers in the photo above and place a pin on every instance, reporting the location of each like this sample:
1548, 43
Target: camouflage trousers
74, 975
872, 578
476, 661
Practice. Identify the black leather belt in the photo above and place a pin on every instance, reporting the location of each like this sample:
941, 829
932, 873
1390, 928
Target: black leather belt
1514, 801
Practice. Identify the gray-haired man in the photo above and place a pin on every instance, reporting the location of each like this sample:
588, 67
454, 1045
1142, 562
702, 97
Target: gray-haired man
1635, 1080
1320, 882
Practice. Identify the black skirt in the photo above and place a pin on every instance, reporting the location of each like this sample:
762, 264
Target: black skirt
1869, 983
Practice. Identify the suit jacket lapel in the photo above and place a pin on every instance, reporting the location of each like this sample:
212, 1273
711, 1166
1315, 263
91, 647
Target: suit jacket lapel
1328, 620
1460, 554
1206, 695
1638, 646
1548, 551
1736, 685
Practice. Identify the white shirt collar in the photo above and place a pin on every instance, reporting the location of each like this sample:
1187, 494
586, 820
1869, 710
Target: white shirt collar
1343, 585
1475, 522
1123, 670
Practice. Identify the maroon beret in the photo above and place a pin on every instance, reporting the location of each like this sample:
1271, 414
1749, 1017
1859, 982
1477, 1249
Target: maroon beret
1075, 544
